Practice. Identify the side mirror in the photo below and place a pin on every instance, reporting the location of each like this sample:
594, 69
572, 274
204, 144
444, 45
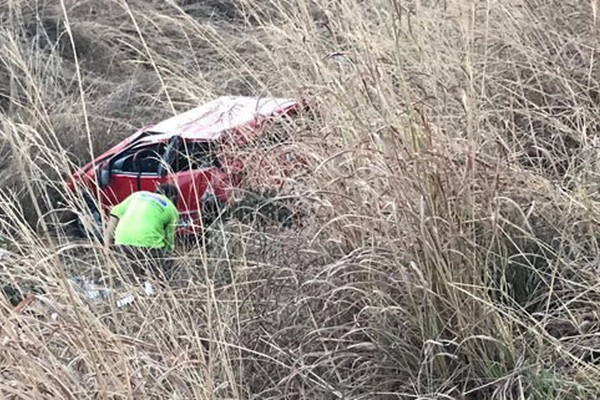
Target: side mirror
103, 175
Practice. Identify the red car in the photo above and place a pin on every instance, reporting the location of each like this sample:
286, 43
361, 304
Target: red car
201, 151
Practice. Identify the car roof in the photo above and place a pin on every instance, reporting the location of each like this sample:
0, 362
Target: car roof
210, 120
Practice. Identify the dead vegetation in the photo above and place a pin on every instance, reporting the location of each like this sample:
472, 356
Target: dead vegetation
449, 243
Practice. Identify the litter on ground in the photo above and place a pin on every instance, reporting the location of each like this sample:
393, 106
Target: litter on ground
97, 292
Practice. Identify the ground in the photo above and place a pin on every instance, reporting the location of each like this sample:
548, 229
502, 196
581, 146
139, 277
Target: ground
448, 244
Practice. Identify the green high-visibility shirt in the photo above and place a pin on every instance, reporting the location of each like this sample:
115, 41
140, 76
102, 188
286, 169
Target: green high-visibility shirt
146, 219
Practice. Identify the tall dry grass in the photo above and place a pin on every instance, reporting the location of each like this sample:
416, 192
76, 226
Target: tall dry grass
448, 248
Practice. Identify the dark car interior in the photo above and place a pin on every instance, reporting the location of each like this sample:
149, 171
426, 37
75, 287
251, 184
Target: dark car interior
145, 160
196, 155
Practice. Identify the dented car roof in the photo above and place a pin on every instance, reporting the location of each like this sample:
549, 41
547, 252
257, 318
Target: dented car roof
210, 120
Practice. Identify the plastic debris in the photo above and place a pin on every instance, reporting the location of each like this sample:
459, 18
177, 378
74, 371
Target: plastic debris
90, 290
125, 300
148, 289
95, 292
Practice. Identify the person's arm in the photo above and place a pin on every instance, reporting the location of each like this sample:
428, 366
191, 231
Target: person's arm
116, 213
171, 228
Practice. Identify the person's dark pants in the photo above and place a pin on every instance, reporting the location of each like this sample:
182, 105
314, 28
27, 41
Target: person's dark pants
146, 262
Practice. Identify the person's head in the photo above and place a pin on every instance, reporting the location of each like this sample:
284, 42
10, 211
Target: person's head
169, 190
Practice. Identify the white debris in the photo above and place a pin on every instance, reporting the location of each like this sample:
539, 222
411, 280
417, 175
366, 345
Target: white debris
148, 289
95, 292
125, 300
128, 299
90, 289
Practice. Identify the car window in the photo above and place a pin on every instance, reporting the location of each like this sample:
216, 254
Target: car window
196, 155
278, 130
148, 160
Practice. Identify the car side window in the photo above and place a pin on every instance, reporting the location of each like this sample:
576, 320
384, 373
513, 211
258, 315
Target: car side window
277, 130
144, 159
123, 163
195, 155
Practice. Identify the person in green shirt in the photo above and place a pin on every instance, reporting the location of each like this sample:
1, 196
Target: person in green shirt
143, 226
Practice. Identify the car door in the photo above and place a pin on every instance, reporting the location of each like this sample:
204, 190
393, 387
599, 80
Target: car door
133, 170
197, 173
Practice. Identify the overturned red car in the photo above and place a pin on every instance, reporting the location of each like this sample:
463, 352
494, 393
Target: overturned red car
206, 151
